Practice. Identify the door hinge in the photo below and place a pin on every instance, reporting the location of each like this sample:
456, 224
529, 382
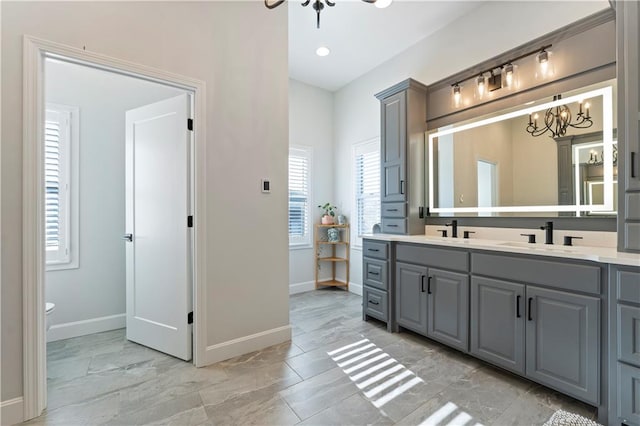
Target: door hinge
189, 221
189, 123
190, 318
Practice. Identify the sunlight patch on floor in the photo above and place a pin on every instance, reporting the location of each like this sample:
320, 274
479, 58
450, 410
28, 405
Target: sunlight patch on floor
380, 377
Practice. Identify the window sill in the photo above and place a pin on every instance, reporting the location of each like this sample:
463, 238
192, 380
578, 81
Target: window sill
54, 267
304, 246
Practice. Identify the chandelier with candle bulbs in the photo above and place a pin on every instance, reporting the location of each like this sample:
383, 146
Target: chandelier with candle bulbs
318, 5
558, 119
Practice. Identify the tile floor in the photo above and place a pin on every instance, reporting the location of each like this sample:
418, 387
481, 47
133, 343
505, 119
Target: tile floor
338, 369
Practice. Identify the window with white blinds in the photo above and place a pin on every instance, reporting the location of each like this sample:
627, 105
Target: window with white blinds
366, 162
58, 135
299, 196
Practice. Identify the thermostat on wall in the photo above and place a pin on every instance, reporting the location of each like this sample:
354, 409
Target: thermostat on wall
266, 186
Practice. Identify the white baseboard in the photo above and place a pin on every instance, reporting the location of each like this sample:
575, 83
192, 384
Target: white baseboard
247, 344
11, 411
355, 288
82, 328
302, 287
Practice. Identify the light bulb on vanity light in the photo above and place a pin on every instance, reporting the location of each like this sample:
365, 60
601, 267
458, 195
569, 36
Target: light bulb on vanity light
509, 77
481, 86
545, 68
457, 96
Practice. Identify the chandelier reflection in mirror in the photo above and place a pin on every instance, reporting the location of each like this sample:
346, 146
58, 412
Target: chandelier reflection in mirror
558, 119
318, 5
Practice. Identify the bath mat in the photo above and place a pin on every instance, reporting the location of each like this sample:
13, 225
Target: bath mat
565, 418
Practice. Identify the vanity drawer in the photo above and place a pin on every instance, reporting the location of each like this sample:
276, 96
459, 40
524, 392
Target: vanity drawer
377, 249
629, 334
456, 260
530, 270
394, 210
628, 285
375, 273
628, 394
394, 226
375, 303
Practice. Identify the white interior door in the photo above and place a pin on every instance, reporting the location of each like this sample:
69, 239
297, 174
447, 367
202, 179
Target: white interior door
158, 246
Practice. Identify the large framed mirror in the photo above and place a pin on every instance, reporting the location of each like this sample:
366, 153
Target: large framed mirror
549, 158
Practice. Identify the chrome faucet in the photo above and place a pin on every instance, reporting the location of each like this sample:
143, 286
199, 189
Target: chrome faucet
548, 234
454, 228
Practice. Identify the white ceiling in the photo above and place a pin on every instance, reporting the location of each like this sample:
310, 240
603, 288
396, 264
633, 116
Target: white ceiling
360, 36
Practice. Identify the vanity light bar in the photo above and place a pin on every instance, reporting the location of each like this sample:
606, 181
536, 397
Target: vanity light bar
607, 141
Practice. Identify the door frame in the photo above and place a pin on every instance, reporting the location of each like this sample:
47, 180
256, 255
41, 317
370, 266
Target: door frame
35, 51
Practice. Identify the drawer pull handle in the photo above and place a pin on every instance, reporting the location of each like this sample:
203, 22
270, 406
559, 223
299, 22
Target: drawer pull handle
373, 249
374, 302
633, 164
429, 285
518, 306
392, 226
392, 210
422, 283
374, 273
530, 318
402, 187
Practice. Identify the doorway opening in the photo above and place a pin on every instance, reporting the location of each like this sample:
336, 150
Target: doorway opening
137, 150
487, 186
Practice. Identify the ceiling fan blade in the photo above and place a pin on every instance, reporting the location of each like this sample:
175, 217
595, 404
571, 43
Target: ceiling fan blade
306, 3
329, 3
273, 5
369, 1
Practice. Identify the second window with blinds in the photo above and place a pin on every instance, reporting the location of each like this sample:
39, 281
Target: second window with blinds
61, 142
366, 173
300, 197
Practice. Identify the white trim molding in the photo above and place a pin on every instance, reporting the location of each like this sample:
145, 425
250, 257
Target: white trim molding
246, 344
35, 51
68, 330
302, 287
11, 411
355, 288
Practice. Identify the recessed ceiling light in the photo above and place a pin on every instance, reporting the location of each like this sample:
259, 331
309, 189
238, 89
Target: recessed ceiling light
381, 4
322, 51
530, 103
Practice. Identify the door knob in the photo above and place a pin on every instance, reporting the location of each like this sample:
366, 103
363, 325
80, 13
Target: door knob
128, 237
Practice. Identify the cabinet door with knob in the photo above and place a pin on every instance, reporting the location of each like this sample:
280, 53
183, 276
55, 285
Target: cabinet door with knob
448, 308
562, 332
394, 145
497, 322
411, 297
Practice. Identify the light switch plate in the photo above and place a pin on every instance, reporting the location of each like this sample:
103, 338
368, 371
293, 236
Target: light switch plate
265, 184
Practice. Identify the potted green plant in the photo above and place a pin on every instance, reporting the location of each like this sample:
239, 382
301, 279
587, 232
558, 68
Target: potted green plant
329, 213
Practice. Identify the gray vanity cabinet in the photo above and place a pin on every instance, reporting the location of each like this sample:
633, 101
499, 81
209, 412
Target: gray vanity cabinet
403, 124
448, 308
411, 297
376, 299
563, 341
497, 322
394, 147
540, 311
624, 355
628, 44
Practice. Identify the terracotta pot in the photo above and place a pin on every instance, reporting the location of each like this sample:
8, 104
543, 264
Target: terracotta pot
327, 219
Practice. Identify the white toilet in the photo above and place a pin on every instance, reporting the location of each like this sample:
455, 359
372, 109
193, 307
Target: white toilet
49, 307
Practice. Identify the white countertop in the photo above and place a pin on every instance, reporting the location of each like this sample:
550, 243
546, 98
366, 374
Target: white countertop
594, 254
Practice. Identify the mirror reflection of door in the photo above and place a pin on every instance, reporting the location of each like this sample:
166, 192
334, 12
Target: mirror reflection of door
487, 184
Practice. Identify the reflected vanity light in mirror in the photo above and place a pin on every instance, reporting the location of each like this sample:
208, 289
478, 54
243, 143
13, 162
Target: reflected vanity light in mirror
607, 152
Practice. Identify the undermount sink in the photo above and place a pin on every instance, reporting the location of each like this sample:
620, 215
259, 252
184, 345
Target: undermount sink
545, 247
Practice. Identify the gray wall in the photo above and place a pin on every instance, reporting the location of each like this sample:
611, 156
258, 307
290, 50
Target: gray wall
97, 287
240, 50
